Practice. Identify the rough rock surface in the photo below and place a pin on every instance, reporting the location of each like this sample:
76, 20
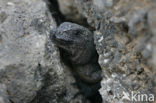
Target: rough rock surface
22, 48
3, 94
67, 8
152, 25
125, 42
30, 66
70, 11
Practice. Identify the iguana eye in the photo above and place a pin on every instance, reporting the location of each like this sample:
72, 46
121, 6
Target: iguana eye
77, 32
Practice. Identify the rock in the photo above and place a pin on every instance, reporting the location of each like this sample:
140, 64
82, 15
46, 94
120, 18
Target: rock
31, 69
3, 94
22, 48
55, 12
69, 10
124, 43
152, 24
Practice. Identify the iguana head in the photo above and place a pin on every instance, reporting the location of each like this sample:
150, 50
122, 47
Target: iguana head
70, 35
75, 40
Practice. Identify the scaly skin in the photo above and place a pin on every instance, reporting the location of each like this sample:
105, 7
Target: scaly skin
78, 43
78, 48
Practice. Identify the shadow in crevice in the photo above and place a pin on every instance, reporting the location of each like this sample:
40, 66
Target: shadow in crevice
94, 95
89, 91
60, 18
55, 12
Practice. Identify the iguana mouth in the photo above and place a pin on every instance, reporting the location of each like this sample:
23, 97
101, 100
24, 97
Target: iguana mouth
64, 41
61, 43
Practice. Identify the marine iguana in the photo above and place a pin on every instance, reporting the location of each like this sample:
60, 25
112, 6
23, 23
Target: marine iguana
77, 45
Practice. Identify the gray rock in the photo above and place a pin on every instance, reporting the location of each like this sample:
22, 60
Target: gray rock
70, 12
152, 24
22, 48
31, 70
3, 94
124, 43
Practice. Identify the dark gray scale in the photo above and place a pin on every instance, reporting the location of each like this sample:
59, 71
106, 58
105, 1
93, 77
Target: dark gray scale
78, 48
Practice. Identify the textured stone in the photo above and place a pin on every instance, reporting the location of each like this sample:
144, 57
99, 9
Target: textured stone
69, 10
152, 24
3, 94
22, 48
124, 43
31, 70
